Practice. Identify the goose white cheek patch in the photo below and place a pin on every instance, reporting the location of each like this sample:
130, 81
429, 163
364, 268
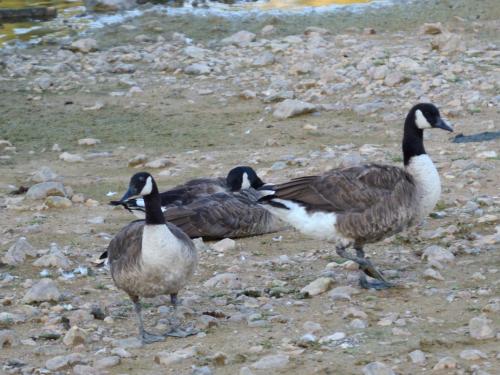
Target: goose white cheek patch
245, 183
148, 187
421, 121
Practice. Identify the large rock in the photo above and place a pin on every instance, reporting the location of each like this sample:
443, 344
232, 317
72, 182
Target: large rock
75, 336
45, 189
109, 5
18, 251
435, 253
55, 258
44, 174
241, 38
61, 362
291, 107
44, 290
58, 202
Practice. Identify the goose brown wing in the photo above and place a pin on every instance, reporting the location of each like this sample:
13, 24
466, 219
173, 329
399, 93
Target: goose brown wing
352, 189
191, 190
223, 215
126, 245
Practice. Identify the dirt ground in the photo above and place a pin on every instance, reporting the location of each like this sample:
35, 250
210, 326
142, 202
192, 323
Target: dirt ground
206, 135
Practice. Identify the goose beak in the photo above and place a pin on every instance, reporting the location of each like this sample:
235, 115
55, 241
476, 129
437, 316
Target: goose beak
129, 194
442, 124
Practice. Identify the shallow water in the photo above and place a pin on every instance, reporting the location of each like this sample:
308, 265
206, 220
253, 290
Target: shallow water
32, 31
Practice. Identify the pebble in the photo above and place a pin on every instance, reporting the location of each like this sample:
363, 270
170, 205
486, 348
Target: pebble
480, 328
241, 38
107, 362
318, 286
17, 253
137, 160
272, 362
62, 362
75, 336
445, 363
8, 339
71, 158
224, 245
433, 274
377, 368
43, 290
197, 69
487, 154
343, 293
472, 355
171, 358
417, 357
85, 370
292, 107
55, 258
158, 163
224, 280
333, 337
58, 202
312, 327
435, 253
45, 189
88, 142
44, 174
85, 45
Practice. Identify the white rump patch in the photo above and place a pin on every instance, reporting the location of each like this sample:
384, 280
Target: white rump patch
245, 182
320, 225
148, 187
421, 121
426, 176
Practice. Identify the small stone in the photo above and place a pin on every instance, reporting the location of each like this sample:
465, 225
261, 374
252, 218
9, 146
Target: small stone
291, 107
268, 30
75, 336
128, 343
8, 319
171, 358
438, 253
205, 370
44, 174
393, 78
353, 312
218, 359
487, 154
63, 361
88, 142
159, 163
44, 290
334, 337
377, 368
137, 160
120, 352
444, 363
195, 52
358, 324
318, 286
480, 329
4, 144
266, 58
71, 158
18, 251
433, 274
58, 202
245, 371
107, 362
85, 370
85, 45
197, 69
272, 362
8, 339
368, 108
224, 245
432, 28
312, 327
241, 38
45, 189
417, 356
472, 355
55, 258
224, 280
342, 293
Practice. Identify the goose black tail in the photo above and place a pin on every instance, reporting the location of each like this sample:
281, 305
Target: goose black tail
268, 199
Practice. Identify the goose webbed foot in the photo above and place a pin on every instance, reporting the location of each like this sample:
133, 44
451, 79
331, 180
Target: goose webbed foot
149, 338
182, 332
376, 284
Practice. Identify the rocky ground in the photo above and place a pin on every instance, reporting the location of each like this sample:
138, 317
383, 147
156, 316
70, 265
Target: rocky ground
81, 118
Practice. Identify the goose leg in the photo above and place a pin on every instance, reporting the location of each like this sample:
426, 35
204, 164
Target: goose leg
146, 337
366, 266
177, 331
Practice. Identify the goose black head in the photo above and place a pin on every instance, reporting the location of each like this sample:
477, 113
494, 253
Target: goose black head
427, 116
141, 184
243, 177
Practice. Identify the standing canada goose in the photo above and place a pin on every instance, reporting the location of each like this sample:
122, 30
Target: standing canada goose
366, 203
224, 215
238, 178
152, 257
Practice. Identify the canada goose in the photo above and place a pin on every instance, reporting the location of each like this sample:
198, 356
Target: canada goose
242, 177
366, 203
151, 257
224, 215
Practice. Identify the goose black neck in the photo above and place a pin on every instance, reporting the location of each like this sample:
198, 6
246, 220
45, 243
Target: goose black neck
152, 204
413, 139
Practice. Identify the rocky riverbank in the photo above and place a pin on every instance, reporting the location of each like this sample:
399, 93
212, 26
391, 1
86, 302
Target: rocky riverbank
83, 114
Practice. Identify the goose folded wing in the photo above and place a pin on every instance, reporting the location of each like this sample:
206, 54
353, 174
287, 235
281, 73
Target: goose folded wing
127, 243
352, 189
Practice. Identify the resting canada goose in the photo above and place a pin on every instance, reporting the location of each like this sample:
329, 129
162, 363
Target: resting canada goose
224, 215
366, 203
152, 257
238, 178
